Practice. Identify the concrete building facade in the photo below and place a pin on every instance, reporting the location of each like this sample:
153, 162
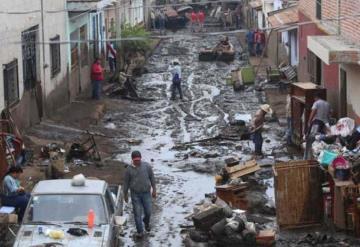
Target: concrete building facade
34, 73
330, 52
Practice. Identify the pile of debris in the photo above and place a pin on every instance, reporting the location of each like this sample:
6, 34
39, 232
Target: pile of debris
56, 160
218, 225
222, 219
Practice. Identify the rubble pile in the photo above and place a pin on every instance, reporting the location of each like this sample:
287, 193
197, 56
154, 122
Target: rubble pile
216, 224
224, 219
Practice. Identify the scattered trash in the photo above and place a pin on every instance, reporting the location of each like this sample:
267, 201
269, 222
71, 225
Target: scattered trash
110, 126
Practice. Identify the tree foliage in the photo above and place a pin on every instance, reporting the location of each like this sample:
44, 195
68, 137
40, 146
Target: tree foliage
132, 46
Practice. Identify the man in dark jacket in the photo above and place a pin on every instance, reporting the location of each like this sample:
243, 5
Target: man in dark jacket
139, 178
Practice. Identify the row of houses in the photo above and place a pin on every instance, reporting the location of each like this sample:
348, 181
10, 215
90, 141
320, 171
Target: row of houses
320, 38
45, 53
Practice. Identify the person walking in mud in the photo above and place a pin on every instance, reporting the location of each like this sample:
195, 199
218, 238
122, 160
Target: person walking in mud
139, 178
257, 124
175, 70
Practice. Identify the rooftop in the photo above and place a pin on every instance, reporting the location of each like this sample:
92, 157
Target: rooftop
63, 186
283, 18
334, 49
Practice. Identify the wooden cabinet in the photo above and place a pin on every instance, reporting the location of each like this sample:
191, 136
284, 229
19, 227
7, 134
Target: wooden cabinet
302, 99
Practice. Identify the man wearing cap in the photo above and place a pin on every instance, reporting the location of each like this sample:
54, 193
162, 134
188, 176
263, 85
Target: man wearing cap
256, 127
139, 178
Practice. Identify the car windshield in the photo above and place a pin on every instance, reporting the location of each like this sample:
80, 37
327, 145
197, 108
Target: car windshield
65, 209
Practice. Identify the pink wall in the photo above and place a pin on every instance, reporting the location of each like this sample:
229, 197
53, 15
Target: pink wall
330, 73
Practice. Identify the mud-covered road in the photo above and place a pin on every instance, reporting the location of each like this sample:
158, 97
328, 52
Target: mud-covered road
185, 173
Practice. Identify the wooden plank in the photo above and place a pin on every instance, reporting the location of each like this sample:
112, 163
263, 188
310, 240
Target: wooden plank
243, 166
245, 172
306, 85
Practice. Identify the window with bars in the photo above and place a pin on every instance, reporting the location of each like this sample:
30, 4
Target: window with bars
11, 83
55, 56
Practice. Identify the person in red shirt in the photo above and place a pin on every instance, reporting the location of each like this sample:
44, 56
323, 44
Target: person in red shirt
193, 20
97, 77
258, 43
201, 19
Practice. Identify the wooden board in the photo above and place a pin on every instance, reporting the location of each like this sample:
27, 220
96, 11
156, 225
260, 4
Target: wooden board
298, 194
306, 85
242, 169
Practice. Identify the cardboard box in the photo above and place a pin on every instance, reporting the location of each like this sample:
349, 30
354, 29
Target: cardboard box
8, 218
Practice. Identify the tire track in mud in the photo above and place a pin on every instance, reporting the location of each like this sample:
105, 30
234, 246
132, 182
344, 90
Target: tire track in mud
164, 123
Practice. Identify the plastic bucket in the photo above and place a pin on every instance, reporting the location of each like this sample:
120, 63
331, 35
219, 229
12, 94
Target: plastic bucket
328, 157
339, 162
342, 174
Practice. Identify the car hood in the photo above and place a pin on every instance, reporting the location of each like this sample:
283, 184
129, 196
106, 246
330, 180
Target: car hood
28, 235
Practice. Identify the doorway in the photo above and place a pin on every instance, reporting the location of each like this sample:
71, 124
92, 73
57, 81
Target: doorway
343, 93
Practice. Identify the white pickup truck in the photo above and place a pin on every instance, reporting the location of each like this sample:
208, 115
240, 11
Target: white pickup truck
58, 205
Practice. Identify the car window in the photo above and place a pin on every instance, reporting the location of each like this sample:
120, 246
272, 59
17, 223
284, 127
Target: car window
109, 202
65, 208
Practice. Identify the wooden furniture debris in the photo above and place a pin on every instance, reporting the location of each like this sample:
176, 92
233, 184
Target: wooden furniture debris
302, 99
265, 238
243, 169
298, 194
234, 195
207, 218
338, 202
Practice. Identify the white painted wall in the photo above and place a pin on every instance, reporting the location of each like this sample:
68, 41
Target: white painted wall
133, 12
353, 87
10, 35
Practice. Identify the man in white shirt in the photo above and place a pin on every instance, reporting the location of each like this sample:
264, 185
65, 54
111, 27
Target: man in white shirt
175, 70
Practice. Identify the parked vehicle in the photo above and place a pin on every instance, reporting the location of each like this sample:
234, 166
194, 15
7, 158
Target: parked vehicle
58, 211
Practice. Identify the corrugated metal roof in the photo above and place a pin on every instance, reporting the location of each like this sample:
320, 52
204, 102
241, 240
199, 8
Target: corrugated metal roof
63, 186
283, 17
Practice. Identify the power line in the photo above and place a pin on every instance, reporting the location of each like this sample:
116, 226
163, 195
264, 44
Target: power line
114, 8
297, 24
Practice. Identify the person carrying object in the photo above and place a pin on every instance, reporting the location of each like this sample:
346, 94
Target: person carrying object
257, 124
318, 121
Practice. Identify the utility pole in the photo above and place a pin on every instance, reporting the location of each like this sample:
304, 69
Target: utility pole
118, 18
43, 57
338, 17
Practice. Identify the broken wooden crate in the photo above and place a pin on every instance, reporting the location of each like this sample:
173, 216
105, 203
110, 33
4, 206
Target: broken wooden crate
234, 195
243, 169
265, 238
207, 218
298, 194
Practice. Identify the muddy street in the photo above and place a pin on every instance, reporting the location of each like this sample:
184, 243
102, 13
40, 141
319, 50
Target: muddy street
185, 170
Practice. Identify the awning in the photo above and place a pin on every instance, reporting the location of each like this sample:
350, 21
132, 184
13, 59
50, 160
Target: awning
284, 18
255, 4
86, 5
333, 49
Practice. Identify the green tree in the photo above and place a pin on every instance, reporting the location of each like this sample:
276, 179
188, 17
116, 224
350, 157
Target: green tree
141, 42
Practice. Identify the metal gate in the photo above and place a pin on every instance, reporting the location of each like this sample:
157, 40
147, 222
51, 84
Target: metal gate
29, 39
